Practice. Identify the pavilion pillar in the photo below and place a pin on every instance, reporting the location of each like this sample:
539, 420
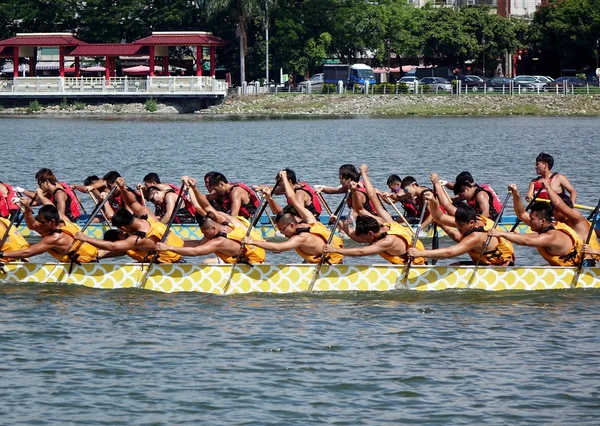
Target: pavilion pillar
32, 64
16, 62
151, 61
77, 67
107, 68
212, 61
166, 65
61, 64
198, 61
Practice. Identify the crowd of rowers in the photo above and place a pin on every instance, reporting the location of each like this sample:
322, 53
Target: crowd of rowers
225, 210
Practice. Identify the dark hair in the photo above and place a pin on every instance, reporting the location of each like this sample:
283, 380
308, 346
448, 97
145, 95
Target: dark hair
364, 224
207, 220
216, 178
545, 158
44, 175
408, 180
465, 176
49, 212
348, 171
285, 217
111, 177
393, 179
152, 177
200, 219
566, 199
461, 185
464, 214
291, 176
542, 210
90, 180
290, 209
150, 191
112, 235
122, 217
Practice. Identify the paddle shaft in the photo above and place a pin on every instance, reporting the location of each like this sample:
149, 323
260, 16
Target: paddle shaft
575, 206
338, 214
414, 244
8, 228
400, 215
591, 231
322, 200
101, 211
533, 200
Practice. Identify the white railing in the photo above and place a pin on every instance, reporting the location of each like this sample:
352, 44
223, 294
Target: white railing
73, 85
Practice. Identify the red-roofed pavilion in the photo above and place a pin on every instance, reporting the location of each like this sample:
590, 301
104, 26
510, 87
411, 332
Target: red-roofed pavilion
26, 44
109, 50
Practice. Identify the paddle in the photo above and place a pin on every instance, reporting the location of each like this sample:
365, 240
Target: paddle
435, 242
262, 199
587, 241
533, 200
487, 240
414, 244
178, 204
338, 214
6, 235
322, 200
576, 206
257, 214
93, 197
400, 215
72, 253
78, 201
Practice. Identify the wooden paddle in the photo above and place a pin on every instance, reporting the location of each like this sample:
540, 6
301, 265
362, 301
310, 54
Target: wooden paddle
488, 239
180, 198
93, 197
400, 215
575, 206
257, 214
533, 200
263, 199
338, 215
79, 201
587, 241
324, 203
414, 244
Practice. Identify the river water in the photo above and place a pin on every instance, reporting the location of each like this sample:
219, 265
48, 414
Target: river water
78, 356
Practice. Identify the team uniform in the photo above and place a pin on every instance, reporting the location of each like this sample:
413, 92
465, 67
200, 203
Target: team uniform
402, 232
250, 254
322, 232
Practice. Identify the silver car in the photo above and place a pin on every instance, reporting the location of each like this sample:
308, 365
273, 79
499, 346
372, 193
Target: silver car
535, 81
437, 84
316, 84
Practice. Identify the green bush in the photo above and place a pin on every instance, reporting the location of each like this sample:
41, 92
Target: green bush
425, 88
79, 106
64, 105
329, 88
358, 88
402, 87
34, 106
151, 105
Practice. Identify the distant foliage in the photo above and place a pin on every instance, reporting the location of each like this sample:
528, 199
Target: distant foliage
151, 105
34, 106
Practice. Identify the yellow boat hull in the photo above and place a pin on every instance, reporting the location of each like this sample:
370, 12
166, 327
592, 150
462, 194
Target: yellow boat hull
280, 279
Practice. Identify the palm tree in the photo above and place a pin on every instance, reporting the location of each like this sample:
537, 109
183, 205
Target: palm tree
242, 12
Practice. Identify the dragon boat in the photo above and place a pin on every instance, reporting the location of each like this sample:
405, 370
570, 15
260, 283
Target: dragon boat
266, 229
281, 279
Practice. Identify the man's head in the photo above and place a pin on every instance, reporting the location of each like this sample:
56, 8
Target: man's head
394, 182
464, 176
155, 195
45, 178
286, 224
348, 173
540, 216
48, 218
123, 219
209, 225
409, 184
291, 175
113, 235
151, 179
367, 229
218, 183
543, 162
465, 217
208, 178
90, 180
465, 189
111, 177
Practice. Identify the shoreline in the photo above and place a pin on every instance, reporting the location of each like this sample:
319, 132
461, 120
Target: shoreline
282, 105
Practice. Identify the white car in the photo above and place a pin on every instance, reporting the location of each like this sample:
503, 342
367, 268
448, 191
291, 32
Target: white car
410, 82
316, 84
537, 81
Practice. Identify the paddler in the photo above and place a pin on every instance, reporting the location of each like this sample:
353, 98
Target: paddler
358, 202
8, 207
543, 167
397, 194
416, 192
223, 234
556, 242
14, 242
482, 197
59, 193
57, 233
302, 192
384, 237
470, 234
143, 232
308, 237
237, 198
165, 200
105, 185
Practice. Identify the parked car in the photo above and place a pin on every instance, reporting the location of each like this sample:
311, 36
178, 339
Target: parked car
498, 84
473, 83
437, 84
570, 81
409, 81
544, 78
535, 81
316, 84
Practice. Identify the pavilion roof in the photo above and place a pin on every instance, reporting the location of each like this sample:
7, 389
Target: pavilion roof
182, 38
107, 49
42, 40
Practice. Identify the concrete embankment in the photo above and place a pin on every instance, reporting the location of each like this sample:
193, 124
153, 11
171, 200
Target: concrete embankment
399, 105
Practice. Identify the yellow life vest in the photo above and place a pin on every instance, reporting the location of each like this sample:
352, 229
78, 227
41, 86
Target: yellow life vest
322, 232
80, 252
157, 230
14, 242
502, 255
251, 254
573, 256
594, 243
401, 232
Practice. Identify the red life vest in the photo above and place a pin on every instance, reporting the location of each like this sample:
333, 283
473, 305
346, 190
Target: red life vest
118, 203
539, 186
367, 204
72, 207
495, 204
246, 210
187, 214
6, 204
315, 206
